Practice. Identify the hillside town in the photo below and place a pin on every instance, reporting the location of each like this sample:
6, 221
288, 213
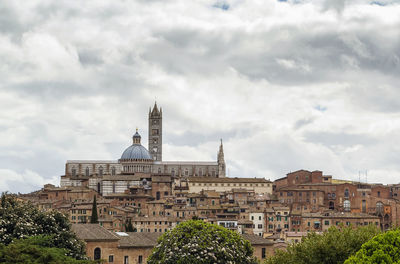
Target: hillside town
140, 196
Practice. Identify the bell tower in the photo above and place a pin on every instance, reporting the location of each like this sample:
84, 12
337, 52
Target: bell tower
155, 133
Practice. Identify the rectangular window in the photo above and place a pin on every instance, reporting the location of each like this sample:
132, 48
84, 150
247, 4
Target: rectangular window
140, 259
260, 226
111, 258
326, 222
263, 251
126, 259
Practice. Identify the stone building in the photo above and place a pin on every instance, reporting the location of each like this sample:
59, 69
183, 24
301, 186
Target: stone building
137, 165
136, 247
257, 185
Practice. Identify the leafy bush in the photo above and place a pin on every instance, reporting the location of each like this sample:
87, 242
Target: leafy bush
35, 250
382, 249
20, 220
331, 247
197, 242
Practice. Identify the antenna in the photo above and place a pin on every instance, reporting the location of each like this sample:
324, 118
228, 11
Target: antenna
366, 176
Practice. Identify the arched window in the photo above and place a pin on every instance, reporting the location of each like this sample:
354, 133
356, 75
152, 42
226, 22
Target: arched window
113, 171
73, 171
97, 254
379, 208
347, 206
186, 172
98, 187
101, 171
346, 193
87, 171
172, 172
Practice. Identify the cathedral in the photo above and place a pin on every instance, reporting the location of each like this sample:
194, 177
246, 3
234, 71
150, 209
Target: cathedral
137, 165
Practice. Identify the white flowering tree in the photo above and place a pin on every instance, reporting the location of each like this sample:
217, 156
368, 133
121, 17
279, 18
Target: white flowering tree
198, 242
20, 220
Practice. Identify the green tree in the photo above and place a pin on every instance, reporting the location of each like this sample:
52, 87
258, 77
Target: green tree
94, 219
20, 220
331, 247
198, 242
382, 249
36, 250
129, 226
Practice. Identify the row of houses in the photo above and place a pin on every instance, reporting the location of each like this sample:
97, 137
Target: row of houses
279, 212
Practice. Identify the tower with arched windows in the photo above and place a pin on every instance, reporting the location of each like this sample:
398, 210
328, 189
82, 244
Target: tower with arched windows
155, 133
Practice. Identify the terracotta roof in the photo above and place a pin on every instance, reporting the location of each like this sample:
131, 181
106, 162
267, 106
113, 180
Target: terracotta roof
296, 234
156, 178
139, 239
230, 180
93, 232
340, 215
281, 208
257, 240
123, 177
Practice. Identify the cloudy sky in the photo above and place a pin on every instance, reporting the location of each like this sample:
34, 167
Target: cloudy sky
288, 85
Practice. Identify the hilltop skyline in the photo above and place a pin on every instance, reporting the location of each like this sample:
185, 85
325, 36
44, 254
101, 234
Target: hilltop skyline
287, 85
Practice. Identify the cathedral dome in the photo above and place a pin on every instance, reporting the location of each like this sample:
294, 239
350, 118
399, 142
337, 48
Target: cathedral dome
136, 151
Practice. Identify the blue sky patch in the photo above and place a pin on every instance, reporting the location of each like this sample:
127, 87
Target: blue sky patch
321, 108
222, 5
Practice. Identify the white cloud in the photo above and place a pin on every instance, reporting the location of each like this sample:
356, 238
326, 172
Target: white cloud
288, 85
23, 182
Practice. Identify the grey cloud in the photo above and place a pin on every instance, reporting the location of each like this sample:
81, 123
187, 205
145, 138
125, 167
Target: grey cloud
316, 56
193, 57
303, 122
344, 139
9, 20
90, 57
195, 138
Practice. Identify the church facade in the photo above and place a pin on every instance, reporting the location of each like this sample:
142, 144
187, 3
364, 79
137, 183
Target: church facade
137, 165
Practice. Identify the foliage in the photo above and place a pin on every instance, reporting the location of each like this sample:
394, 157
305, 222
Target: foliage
94, 219
382, 249
129, 226
35, 250
20, 220
331, 247
197, 242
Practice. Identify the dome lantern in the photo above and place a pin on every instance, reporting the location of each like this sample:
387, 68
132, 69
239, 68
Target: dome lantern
136, 138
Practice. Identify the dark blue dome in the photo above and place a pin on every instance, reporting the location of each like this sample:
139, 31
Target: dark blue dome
136, 152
